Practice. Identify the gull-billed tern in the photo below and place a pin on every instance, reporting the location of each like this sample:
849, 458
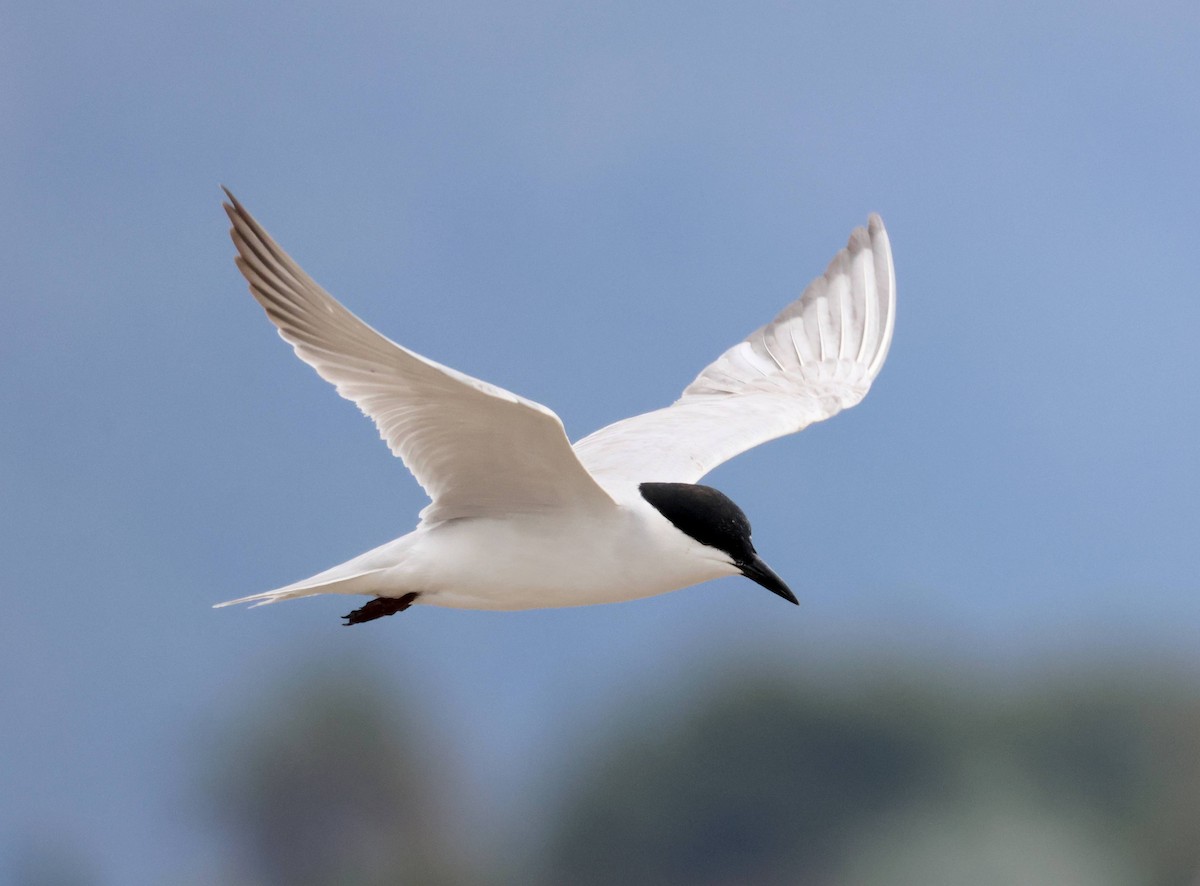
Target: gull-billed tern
520, 518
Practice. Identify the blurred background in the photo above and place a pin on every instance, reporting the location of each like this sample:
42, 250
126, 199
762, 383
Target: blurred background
993, 674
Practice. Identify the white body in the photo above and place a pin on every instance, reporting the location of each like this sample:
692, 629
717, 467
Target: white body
519, 517
531, 561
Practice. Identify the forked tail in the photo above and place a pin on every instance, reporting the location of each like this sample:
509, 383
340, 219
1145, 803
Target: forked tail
364, 582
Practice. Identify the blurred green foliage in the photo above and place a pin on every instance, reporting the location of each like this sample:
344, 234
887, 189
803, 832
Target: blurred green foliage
332, 784
892, 777
890, 780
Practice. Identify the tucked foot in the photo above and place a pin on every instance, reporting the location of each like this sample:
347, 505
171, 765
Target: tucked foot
379, 607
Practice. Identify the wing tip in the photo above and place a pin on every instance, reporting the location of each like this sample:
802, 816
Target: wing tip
878, 234
873, 238
881, 243
868, 237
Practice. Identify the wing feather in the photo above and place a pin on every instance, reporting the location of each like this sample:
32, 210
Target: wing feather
816, 358
475, 448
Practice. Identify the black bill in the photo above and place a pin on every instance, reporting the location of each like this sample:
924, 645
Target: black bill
758, 571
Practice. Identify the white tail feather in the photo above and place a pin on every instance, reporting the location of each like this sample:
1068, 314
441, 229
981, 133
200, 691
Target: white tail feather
357, 583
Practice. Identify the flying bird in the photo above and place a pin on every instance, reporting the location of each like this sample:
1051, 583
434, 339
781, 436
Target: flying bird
520, 518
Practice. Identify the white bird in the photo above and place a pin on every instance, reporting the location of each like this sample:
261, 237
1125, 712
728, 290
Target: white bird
519, 518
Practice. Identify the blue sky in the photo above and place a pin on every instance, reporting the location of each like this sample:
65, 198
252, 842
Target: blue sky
584, 204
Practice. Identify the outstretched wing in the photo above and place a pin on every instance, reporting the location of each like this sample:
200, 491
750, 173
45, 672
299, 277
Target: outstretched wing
818, 357
476, 449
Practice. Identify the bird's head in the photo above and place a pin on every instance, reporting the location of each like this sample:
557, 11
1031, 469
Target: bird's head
712, 519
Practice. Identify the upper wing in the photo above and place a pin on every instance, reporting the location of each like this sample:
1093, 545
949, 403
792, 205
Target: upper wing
475, 448
818, 357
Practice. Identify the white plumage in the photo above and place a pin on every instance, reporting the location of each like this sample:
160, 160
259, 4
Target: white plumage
518, 517
816, 358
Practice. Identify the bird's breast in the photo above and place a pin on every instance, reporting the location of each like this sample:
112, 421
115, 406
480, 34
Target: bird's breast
538, 560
